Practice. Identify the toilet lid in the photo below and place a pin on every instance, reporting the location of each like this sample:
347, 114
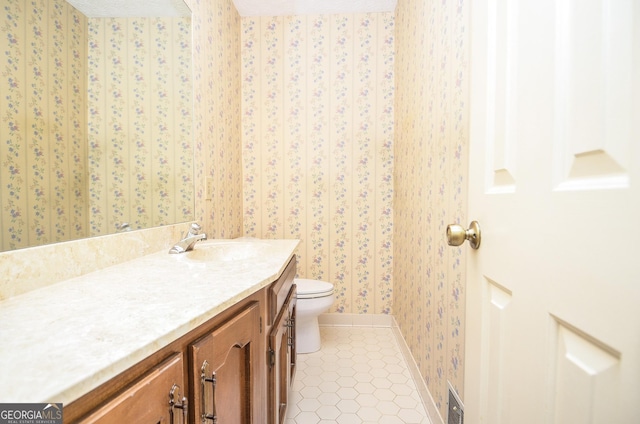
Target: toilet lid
308, 289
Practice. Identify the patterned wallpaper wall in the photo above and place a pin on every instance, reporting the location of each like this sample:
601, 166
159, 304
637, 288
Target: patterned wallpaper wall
140, 122
217, 99
317, 122
42, 123
431, 145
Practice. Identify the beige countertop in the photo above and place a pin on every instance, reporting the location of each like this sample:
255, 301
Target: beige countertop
61, 341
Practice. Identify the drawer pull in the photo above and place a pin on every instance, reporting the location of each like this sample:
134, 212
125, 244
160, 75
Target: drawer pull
173, 404
291, 333
290, 323
203, 377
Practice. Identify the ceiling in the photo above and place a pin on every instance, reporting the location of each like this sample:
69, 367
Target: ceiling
143, 8
130, 8
308, 7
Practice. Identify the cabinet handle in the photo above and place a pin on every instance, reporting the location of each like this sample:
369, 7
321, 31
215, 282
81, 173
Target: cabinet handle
204, 379
173, 404
291, 325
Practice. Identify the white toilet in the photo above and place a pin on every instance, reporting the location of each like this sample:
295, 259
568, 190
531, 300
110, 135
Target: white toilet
313, 298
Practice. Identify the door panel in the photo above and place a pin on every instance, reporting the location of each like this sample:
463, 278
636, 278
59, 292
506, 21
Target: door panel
292, 309
498, 300
283, 362
553, 327
147, 401
501, 98
226, 362
585, 378
593, 104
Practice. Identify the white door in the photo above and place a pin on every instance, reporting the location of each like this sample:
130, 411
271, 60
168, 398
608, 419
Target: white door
553, 293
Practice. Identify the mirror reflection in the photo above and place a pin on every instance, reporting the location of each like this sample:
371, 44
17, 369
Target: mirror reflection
96, 124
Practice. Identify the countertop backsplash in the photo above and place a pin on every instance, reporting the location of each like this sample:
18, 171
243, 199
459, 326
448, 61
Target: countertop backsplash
32, 268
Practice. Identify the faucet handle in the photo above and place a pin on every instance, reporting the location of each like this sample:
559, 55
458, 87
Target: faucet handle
195, 229
122, 227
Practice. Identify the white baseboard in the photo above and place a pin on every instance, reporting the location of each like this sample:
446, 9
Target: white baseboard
355, 320
427, 400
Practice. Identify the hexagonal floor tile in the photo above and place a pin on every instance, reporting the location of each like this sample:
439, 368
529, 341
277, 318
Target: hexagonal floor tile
359, 376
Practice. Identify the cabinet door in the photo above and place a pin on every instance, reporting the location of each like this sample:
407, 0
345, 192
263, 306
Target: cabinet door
224, 370
149, 401
291, 307
282, 359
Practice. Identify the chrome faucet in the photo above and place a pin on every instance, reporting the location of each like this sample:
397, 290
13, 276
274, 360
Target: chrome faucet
123, 227
189, 240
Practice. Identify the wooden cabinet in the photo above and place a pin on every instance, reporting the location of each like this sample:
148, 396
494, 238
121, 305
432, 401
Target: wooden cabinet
281, 342
225, 371
282, 358
158, 397
222, 372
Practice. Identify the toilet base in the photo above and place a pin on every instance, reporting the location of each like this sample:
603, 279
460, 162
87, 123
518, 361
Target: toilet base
307, 335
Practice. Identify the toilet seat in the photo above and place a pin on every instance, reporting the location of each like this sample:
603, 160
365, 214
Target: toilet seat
312, 289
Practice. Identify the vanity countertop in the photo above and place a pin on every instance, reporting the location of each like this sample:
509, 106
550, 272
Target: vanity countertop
61, 341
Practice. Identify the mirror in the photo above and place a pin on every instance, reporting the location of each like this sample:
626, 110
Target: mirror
96, 112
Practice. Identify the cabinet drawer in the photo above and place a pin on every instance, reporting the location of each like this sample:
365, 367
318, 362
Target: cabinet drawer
279, 290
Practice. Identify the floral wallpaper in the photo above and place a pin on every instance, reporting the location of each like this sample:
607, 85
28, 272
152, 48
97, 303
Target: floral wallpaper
355, 135
42, 123
317, 139
140, 122
431, 145
217, 102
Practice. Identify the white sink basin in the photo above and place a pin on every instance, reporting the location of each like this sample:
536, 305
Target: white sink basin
227, 251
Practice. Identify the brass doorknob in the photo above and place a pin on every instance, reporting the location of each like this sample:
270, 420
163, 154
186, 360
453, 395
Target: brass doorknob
456, 234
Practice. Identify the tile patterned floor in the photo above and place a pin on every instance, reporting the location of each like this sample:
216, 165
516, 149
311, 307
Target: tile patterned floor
359, 376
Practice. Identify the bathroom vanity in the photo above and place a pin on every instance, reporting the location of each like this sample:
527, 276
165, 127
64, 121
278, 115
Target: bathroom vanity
204, 336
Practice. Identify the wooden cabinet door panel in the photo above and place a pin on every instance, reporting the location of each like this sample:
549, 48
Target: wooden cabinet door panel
282, 359
226, 363
147, 401
293, 355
